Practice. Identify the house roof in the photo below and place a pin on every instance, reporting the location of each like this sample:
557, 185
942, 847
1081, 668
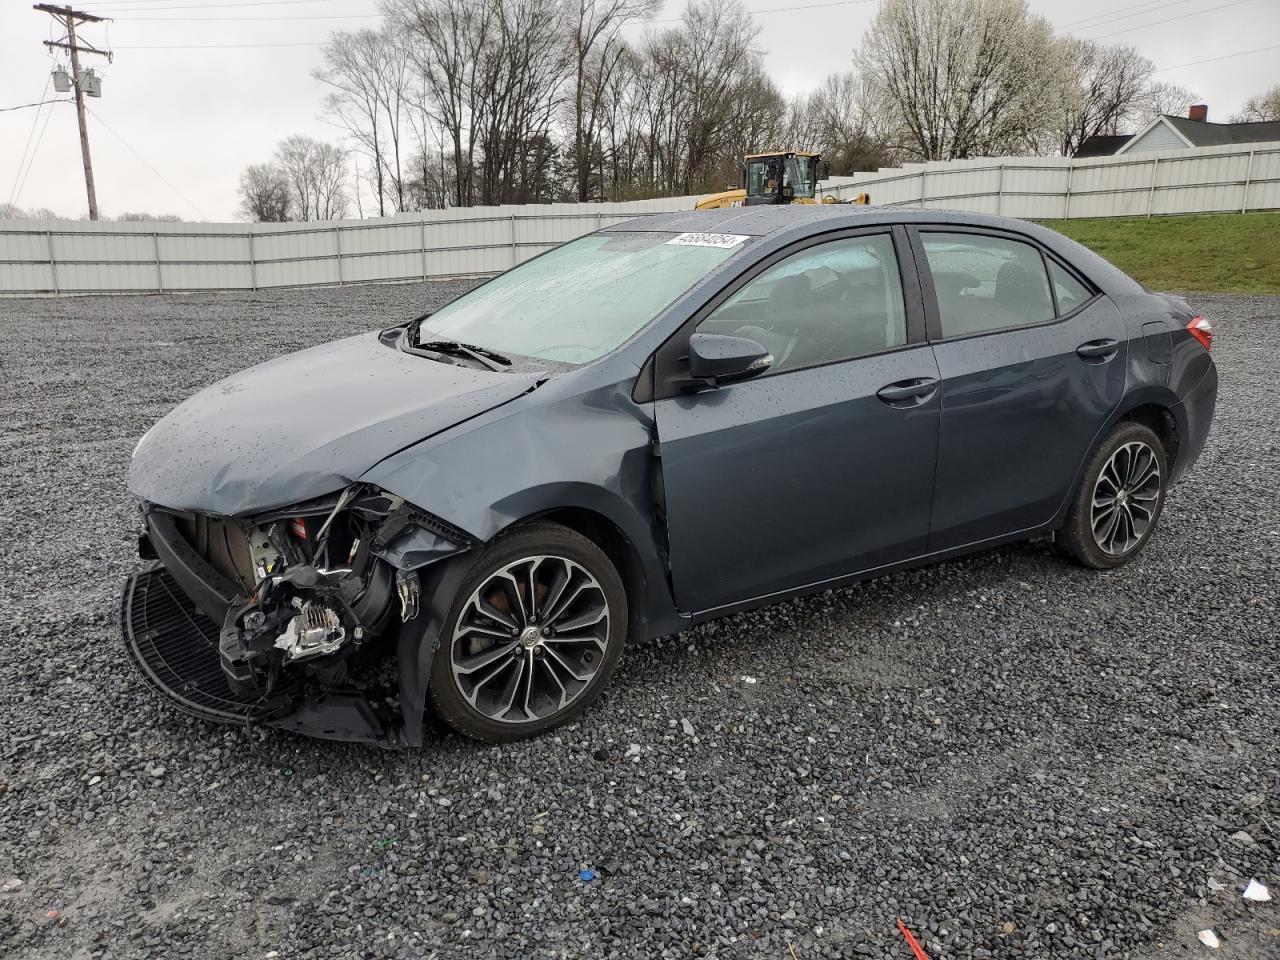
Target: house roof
1102, 145
1201, 133
1215, 134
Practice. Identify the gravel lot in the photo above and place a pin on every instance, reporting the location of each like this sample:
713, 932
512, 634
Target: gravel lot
1019, 757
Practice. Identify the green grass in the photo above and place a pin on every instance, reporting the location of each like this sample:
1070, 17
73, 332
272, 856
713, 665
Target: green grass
1222, 253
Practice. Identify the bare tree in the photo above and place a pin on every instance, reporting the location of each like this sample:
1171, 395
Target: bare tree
370, 75
1105, 85
966, 77
9, 211
448, 49
844, 122
1263, 106
491, 76
598, 49
1163, 99
316, 176
329, 170
525, 69
718, 65
264, 193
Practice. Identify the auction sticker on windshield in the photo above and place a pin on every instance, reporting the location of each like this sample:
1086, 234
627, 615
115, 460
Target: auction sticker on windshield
724, 240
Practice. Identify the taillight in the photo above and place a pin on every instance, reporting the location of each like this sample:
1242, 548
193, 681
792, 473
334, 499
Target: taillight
298, 527
1202, 330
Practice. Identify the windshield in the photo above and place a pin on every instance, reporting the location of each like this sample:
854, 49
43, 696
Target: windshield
797, 173
762, 176
579, 301
801, 176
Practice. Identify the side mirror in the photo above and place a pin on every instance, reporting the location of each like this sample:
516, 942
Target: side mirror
824, 170
715, 359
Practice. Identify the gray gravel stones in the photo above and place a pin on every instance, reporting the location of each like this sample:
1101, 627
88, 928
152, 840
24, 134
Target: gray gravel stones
1019, 757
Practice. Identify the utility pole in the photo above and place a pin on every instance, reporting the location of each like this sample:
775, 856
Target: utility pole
69, 18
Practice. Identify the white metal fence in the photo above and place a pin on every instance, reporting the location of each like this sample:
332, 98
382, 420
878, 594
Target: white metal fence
71, 257
1233, 178
80, 257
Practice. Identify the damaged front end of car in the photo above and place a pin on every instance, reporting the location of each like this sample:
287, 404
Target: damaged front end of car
284, 618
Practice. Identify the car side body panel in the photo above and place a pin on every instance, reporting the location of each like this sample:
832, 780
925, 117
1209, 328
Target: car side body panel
578, 442
1020, 410
790, 479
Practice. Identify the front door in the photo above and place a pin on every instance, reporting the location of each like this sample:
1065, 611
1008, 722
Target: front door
1032, 364
823, 466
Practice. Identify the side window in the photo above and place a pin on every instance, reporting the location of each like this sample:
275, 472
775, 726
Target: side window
830, 302
1071, 292
986, 283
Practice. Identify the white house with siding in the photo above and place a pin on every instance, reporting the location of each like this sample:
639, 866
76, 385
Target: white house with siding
1181, 133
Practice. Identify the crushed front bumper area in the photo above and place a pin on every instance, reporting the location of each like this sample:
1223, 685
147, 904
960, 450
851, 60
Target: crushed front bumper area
297, 617
175, 647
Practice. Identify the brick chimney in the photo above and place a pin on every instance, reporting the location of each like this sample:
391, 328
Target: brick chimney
1199, 112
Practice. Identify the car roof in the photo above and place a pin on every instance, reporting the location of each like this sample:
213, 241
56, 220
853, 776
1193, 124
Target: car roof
753, 221
801, 218
784, 223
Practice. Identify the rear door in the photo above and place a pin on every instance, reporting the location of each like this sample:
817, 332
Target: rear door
822, 466
1032, 361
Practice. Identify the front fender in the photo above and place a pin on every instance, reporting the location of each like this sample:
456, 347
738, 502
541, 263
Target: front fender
566, 445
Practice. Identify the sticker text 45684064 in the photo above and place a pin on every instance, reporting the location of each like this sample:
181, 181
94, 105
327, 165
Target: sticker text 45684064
724, 240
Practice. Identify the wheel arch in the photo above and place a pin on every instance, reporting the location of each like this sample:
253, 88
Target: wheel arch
1159, 419
617, 546
1155, 407
610, 520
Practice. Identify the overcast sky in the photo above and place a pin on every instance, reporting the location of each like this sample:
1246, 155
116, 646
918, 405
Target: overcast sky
183, 103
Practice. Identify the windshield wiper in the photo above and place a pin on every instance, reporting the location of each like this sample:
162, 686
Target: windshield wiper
482, 355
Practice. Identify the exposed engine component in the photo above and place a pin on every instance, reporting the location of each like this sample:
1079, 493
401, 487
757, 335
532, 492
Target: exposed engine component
407, 587
330, 577
314, 631
266, 556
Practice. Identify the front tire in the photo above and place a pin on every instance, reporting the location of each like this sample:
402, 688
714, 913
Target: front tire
1118, 503
532, 637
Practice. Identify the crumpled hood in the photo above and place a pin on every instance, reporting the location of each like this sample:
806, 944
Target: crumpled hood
306, 424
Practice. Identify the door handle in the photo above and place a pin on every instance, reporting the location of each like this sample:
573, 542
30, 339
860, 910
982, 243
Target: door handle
908, 393
1098, 349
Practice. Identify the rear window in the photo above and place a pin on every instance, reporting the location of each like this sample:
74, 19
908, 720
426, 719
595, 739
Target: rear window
1070, 291
984, 283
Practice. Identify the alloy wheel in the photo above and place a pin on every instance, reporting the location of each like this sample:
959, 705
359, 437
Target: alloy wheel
1125, 498
530, 639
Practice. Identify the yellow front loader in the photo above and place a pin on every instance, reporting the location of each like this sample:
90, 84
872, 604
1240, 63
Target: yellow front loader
784, 176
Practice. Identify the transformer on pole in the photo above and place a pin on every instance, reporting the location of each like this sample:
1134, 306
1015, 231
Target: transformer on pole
86, 83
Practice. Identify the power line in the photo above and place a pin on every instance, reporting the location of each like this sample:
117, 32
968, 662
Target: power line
208, 6
30, 133
1104, 19
1150, 7
305, 16
1225, 56
1154, 23
32, 162
322, 43
40, 103
806, 6
149, 166
221, 46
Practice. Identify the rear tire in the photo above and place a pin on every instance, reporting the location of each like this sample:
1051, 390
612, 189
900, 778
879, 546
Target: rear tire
1117, 505
532, 637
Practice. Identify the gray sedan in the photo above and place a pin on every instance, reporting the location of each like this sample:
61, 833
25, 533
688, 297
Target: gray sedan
660, 423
